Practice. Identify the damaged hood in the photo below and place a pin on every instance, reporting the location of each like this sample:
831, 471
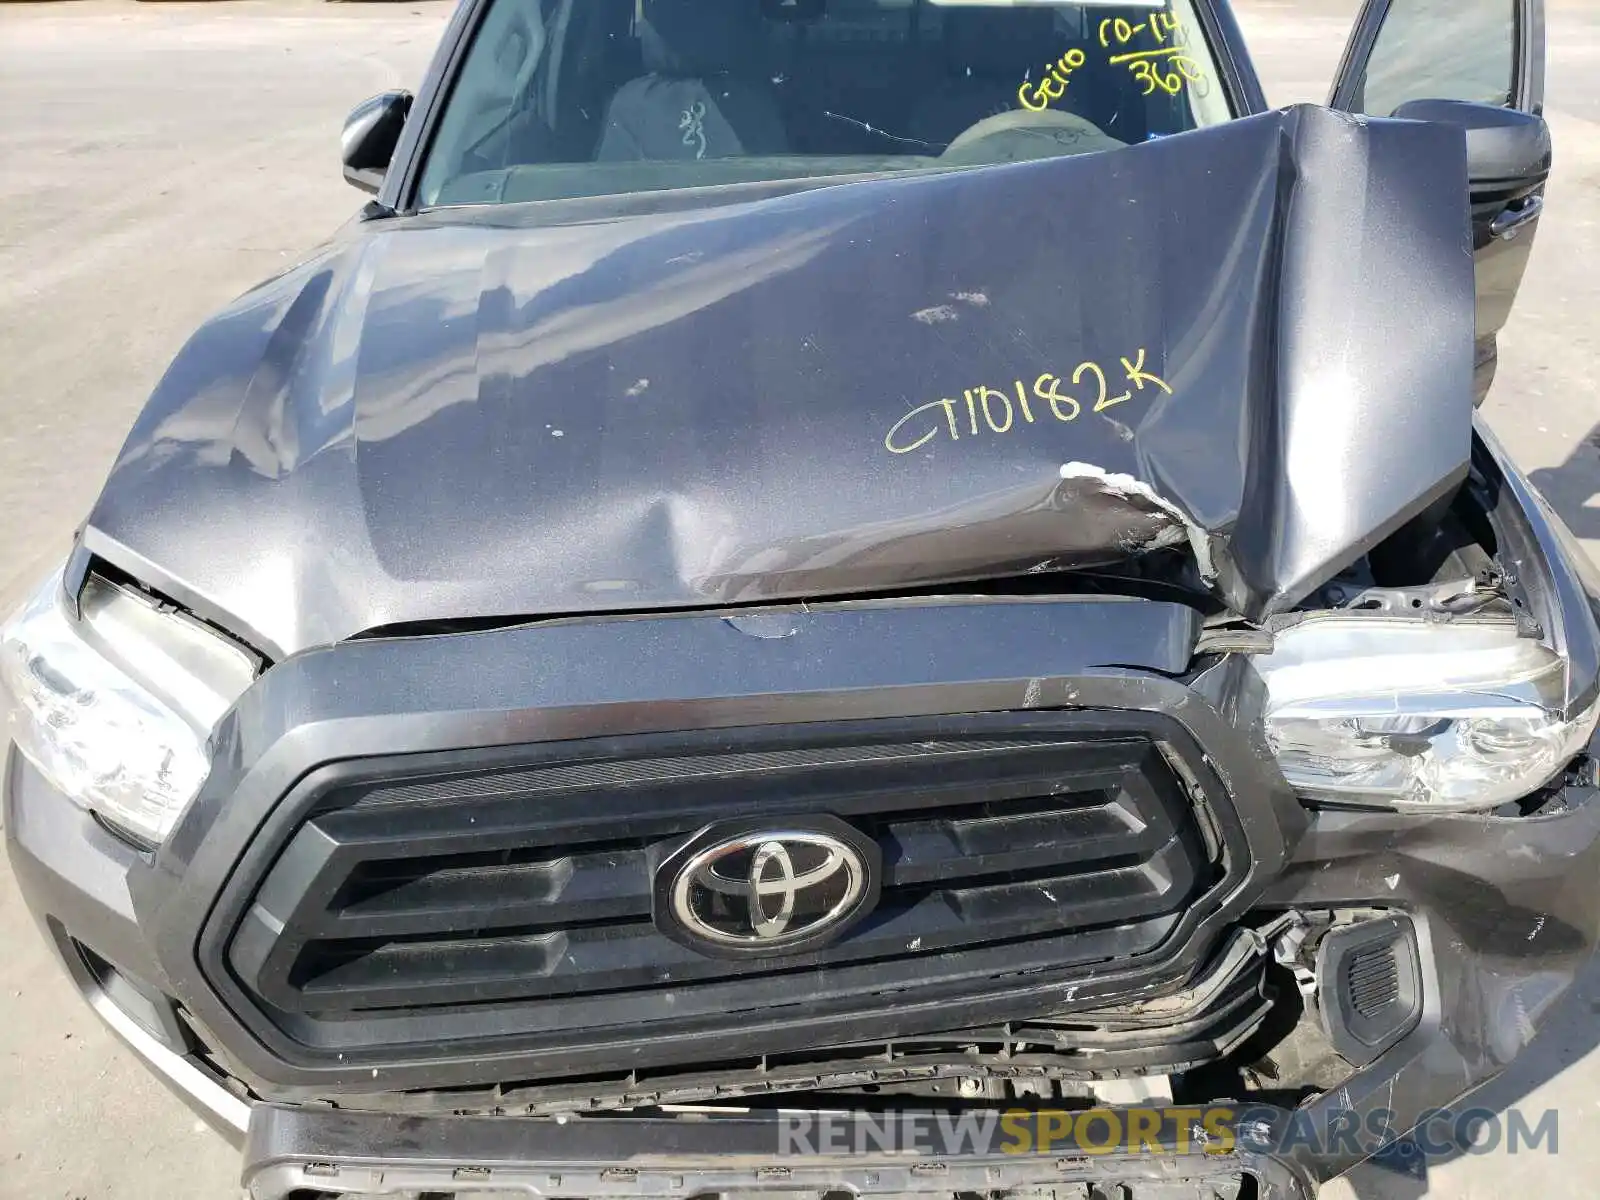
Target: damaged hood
1254, 342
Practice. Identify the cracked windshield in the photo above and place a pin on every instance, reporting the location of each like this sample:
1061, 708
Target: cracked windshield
567, 98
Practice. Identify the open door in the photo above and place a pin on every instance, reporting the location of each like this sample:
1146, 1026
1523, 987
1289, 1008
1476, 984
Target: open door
1478, 64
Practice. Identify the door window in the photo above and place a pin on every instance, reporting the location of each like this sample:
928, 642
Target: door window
1442, 50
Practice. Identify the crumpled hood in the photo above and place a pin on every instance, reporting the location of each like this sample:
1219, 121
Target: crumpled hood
1254, 341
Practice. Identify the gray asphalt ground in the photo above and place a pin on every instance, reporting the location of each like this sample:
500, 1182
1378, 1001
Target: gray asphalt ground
157, 160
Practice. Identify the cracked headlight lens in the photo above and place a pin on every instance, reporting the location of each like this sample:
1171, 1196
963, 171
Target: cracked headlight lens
1408, 714
115, 707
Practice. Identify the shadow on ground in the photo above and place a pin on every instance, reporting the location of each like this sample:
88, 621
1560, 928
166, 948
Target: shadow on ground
1573, 488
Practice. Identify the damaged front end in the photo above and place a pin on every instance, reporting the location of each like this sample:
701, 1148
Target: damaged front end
1297, 976
1202, 709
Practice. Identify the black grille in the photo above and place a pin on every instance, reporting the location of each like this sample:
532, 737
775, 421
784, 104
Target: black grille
517, 896
1203, 1023
1374, 980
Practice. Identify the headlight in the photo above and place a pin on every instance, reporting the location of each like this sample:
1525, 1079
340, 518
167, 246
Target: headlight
1420, 716
115, 708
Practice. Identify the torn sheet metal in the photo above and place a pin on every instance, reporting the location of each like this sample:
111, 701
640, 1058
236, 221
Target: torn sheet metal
1176, 529
1255, 340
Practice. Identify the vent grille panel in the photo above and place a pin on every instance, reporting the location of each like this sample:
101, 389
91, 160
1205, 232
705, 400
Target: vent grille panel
1374, 980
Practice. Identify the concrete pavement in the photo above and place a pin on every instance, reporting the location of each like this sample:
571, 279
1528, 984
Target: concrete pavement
171, 157
155, 161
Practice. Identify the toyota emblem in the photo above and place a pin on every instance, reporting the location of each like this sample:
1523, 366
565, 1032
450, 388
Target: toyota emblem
767, 889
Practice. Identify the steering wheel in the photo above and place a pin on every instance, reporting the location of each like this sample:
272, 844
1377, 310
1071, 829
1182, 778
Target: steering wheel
1020, 135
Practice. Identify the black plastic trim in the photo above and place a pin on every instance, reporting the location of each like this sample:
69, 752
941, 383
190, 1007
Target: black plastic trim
579, 1034
595, 814
1359, 1035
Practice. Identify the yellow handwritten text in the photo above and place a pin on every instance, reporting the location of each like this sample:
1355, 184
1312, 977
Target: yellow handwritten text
1164, 27
1036, 97
1017, 405
1163, 69
1166, 67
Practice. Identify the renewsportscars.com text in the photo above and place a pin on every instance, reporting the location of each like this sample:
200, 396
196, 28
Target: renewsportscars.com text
1211, 1129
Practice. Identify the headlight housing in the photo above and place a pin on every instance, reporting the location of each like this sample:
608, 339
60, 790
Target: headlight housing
1415, 715
115, 707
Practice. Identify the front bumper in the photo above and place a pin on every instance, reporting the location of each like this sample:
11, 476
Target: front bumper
1195, 1155
1504, 910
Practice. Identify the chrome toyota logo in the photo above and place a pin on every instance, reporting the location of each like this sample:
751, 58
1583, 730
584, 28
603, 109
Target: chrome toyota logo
772, 890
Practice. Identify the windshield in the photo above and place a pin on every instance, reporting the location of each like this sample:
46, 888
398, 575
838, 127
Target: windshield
566, 98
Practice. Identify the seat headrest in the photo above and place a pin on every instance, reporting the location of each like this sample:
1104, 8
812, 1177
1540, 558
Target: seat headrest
993, 42
698, 37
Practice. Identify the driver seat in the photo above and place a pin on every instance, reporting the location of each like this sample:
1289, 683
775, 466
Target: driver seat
703, 96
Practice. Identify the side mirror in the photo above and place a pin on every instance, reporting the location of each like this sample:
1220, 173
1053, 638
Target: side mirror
371, 133
1508, 151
